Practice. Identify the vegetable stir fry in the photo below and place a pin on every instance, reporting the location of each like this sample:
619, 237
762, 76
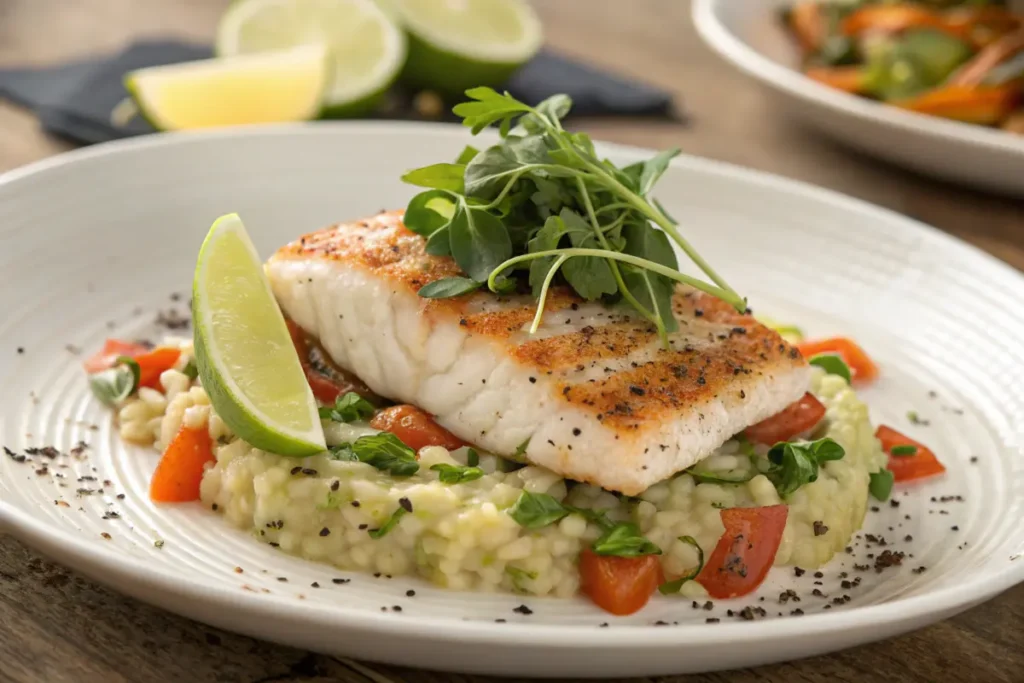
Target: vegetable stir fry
957, 59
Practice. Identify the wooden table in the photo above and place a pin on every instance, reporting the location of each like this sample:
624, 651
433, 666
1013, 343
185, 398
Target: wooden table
58, 627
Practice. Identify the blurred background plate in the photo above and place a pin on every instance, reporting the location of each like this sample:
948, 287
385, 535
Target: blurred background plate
748, 34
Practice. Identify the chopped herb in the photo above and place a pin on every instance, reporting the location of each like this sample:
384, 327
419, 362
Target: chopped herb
384, 451
624, 540
794, 464
472, 457
117, 383
537, 510
670, 587
832, 364
519, 576
158, 544
903, 450
707, 477
392, 522
880, 485
597, 235
456, 474
348, 408
520, 454
917, 419
190, 370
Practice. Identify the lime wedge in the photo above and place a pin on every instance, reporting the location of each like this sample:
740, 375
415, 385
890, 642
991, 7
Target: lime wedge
367, 49
268, 88
454, 46
244, 353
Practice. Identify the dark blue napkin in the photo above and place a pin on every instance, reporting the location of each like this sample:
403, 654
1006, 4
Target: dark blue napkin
74, 100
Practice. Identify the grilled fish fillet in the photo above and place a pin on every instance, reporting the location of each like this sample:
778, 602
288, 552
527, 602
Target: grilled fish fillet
593, 393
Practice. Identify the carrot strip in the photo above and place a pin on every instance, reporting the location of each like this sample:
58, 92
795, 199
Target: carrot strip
808, 26
982, 105
846, 78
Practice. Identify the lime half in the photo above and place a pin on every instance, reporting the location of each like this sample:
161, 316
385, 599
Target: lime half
367, 49
454, 46
268, 88
243, 350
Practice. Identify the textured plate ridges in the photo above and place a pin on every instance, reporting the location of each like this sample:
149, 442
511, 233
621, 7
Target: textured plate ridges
91, 258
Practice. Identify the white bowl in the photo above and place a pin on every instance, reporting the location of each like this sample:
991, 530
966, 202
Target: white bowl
749, 34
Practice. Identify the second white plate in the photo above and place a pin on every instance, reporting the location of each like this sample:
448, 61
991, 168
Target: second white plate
749, 35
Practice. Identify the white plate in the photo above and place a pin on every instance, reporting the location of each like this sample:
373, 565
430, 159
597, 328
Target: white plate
749, 35
96, 241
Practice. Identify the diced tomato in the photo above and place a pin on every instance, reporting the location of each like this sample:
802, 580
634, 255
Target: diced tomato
327, 382
153, 363
112, 350
862, 367
745, 552
798, 417
415, 428
923, 463
846, 78
619, 585
180, 471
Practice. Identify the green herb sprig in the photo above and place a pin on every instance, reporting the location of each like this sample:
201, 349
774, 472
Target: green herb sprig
793, 464
348, 408
456, 474
541, 208
117, 383
673, 586
384, 451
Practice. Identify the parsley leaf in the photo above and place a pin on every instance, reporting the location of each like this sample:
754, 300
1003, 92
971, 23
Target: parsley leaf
348, 408
537, 510
670, 587
456, 474
438, 176
479, 242
903, 451
624, 540
794, 464
832, 364
190, 370
880, 484
384, 451
117, 383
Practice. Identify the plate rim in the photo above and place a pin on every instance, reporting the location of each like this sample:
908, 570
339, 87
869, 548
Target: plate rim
754, 64
118, 567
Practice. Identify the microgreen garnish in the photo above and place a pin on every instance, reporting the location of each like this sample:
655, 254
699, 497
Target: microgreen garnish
540, 206
670, 587
449, 287
456, 474
520, 454
392, 522
472, 457
624, 540
348, 408
384, 451
709, 477
117, 383
833, 365
794, 464
190, 370
903, 451
880, 485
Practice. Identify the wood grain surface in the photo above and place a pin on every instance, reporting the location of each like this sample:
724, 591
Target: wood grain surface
60, 628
